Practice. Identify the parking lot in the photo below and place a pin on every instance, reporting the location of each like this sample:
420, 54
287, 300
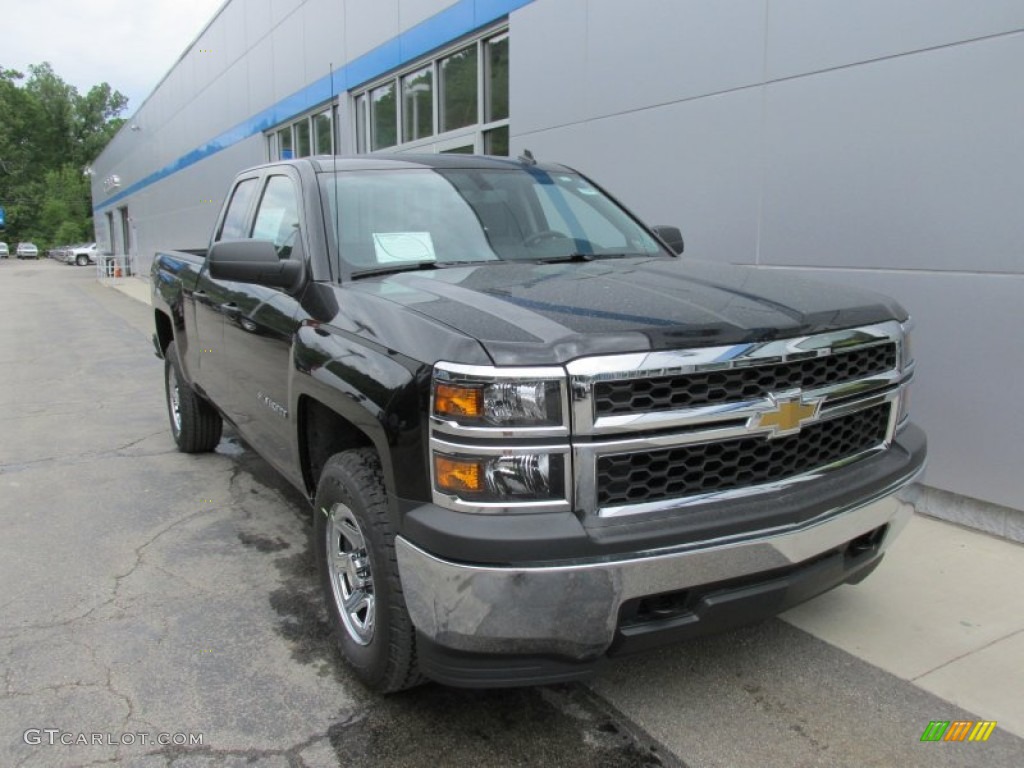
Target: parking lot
160, 609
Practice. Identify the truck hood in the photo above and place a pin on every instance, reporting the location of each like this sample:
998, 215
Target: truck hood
535, 314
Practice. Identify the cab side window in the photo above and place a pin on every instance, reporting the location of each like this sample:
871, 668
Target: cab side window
233, 226
277, 218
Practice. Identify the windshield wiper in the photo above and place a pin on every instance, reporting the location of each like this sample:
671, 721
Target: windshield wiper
580, 257
388, 269
412, 266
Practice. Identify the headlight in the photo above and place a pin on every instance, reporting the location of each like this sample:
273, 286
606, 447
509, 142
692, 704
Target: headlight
485, 400
506, 478
499, 439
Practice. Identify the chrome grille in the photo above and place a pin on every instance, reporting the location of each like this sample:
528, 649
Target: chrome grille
666, 393
648, 476
663, 430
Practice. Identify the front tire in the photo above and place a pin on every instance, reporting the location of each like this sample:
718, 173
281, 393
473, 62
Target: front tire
195, 424
355, 546
81, 261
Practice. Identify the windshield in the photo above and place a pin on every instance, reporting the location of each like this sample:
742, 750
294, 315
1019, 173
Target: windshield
416, 218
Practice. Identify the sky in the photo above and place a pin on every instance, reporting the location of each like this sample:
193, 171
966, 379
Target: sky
130, 44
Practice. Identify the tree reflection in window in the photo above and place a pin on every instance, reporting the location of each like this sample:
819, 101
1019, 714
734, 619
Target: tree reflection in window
458, 89
383, 117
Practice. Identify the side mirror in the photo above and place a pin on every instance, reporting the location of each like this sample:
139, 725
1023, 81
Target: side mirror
671, 236
252, 261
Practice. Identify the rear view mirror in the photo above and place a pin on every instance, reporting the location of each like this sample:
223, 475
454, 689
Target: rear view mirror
671, 236
252, 261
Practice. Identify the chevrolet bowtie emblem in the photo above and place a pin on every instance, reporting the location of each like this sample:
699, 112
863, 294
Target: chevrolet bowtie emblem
788, 416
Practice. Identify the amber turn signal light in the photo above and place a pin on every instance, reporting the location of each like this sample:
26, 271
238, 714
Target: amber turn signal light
452, 400
457, 475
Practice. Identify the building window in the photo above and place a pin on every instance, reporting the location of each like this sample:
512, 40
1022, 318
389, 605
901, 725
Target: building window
496, 75
323, 141
418, 104
310, 134
383, 117
456, 101
303, 144
459, 89
496, 141
362, 119
284, 144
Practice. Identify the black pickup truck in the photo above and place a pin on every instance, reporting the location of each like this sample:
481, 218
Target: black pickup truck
533, 435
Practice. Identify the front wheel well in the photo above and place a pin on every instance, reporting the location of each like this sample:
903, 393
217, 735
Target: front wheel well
164, 330
322, 434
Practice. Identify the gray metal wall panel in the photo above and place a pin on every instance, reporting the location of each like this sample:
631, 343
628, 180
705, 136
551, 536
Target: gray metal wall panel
282, 9
324, 37
368, 23
650, 52
236, 98
259, 21
260, 63
903, 163
713, 140
211, 54
289, 64
412, 12
812, 35
548, 78
233, 36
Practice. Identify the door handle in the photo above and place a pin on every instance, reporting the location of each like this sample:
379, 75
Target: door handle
231, 309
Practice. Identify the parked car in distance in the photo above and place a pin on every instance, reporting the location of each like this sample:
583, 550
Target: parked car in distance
27, 251
81, 254
4, 251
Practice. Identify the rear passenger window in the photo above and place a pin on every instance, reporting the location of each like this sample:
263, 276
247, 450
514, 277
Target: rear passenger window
277, 219
233, 227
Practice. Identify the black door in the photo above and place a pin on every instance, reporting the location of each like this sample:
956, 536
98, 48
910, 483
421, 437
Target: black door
259, 326
214, 297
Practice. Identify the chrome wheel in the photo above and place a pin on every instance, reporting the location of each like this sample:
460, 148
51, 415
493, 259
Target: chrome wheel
174, 398
350, 575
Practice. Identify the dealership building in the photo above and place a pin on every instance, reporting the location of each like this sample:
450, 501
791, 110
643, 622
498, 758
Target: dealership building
872, 143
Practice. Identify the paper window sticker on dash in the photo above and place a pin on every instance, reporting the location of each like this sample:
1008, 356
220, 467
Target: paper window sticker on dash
403, 246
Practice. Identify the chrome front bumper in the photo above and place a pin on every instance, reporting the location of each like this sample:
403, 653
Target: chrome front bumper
572, 610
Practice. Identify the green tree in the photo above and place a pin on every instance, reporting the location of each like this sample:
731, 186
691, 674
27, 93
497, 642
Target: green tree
48, 134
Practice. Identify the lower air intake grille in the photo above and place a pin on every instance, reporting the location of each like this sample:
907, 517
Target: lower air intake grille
689, 470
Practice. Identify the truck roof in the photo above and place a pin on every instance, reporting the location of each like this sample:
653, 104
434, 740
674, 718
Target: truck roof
328, 163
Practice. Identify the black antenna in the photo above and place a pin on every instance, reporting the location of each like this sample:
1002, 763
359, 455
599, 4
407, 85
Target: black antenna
527, 158
335, 137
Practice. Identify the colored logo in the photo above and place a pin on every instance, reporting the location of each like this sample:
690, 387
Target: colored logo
788, 416
958, 730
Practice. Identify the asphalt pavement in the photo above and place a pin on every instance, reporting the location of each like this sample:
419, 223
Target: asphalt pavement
159, 609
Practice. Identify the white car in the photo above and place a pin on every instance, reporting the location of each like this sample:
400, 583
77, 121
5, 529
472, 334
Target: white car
82, 254
27, 251
4, 252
